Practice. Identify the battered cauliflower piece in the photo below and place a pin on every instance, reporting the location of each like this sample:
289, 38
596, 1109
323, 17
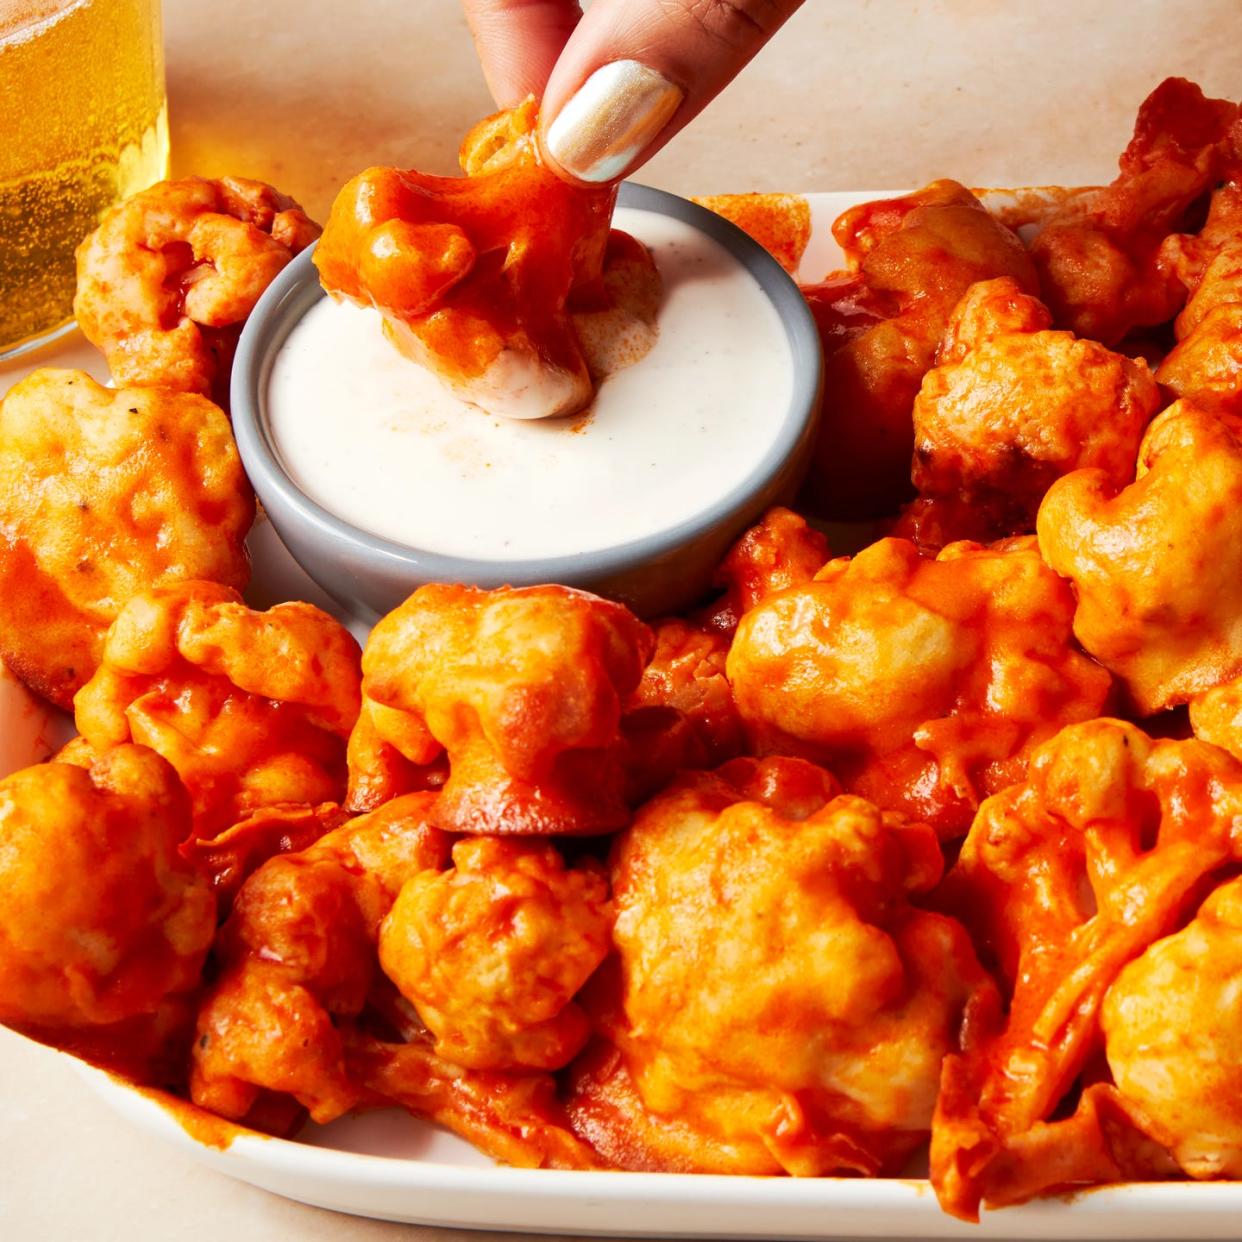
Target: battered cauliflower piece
910, 260
103, 494
1156, 566
686, 675
524, 689
1100, 267
1206, 366
492, 952
297, 967
924, 684
780, 223
1013, 406
1208, 264
1216, 716
780, 1005
171, 274
391, 754
252, 708
781, 550
1064, 879
101, 920
1206, 363
1172, 1025
473, 275
297, 956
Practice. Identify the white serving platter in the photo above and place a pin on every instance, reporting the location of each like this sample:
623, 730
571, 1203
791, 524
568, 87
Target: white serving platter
389, 1166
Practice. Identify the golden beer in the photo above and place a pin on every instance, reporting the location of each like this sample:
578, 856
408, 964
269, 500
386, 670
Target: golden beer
83, 122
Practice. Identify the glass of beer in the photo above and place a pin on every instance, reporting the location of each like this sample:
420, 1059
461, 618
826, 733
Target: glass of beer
83, 123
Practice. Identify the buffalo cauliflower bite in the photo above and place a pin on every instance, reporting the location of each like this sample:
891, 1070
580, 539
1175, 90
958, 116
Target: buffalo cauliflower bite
102, 495
297, 954
298, 987
1064, 879
1172, 1025
101, 919
781, 550
524, 689
167, 280
924, 684
780, 223
492, 952
1206, 363
1157, 565
473, 274
910, 260
1100, 265
778, 1004
251, 708
1013, 406
1216, 716
686, 674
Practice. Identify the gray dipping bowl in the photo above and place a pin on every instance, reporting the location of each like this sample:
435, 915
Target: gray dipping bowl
659, 573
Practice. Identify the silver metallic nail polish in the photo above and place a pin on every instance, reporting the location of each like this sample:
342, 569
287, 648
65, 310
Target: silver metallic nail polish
615, 114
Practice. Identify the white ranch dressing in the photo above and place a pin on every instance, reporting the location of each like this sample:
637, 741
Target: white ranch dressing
376, 439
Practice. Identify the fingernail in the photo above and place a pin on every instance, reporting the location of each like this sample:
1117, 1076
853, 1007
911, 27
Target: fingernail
615, 114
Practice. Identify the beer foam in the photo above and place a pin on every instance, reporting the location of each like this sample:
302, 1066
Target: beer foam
28, 18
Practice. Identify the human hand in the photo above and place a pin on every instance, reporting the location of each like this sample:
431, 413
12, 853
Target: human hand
620, 80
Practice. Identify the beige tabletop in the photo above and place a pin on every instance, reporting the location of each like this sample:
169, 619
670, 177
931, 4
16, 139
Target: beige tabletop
854, 93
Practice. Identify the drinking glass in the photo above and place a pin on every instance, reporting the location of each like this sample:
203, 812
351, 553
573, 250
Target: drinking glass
83, 123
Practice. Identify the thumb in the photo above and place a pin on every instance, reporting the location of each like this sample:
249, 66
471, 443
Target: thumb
634, 72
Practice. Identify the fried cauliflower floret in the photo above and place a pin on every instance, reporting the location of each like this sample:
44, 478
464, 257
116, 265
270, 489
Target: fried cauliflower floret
924, 684
1216, 716
911, 260
1064, 879
781, 1006
1013, 406
492, 952
101, 919
296, 966
780, 223
1206, 363
251, 708
1172, 1025
1156, 566
686, 674
524, 689
685, 678
473, 275
103, 494
1206, 366
167, 280
1209, 263
1100, 267
297, 955
781, 550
